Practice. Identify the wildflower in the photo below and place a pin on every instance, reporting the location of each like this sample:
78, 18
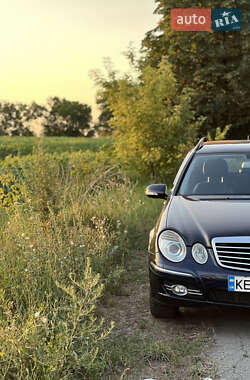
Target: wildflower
44, 320
71, 242
37, 314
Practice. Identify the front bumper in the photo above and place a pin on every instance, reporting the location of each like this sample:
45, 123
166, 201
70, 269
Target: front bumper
207, 285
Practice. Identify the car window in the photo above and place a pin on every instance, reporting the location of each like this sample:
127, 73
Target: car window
217, 174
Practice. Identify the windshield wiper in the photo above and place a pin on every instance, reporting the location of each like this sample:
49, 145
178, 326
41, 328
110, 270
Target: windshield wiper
223, 197
216, 197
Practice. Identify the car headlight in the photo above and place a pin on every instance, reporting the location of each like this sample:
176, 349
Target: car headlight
199, 253
172, 246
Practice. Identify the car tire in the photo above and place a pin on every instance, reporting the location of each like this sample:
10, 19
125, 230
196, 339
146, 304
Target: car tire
162, 311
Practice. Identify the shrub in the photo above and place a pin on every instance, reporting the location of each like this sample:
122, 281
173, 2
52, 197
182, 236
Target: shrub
154, 124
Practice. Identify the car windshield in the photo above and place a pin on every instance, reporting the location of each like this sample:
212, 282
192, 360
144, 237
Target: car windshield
217, 174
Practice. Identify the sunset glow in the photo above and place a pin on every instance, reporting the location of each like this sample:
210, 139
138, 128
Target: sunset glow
49, 47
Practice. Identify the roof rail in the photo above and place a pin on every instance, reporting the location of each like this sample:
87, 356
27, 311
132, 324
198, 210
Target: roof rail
200, 143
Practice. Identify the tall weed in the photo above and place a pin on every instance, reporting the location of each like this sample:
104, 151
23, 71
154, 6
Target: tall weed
63, 243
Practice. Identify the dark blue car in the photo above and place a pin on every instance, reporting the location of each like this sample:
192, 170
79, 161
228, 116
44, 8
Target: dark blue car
199, 250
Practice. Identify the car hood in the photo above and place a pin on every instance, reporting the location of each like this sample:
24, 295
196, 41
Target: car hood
200, 220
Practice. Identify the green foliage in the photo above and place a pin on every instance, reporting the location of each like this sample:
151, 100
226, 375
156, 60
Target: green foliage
219, 134
60, 117
214, 64
102, 127
104, 84
10, 191
75, 117
153, 125
14, 118
62, 247
58, 343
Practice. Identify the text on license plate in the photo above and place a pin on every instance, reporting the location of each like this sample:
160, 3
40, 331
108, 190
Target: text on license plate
238, 284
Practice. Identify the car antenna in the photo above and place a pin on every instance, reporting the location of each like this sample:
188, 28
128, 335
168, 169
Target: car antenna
200, 143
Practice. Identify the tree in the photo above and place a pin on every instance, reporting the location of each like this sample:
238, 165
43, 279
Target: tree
67, 118
153, 125
214, 64
14, 118
102, 127
104, 85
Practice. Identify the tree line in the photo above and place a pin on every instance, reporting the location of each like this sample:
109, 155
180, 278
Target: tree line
59, 117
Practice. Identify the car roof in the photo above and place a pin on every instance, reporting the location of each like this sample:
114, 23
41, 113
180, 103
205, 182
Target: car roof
225, 146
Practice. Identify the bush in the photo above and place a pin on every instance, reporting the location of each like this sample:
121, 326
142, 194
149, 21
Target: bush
53, 341
154, 124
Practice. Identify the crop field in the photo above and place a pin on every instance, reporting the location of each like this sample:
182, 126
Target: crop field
73, 272
25, 145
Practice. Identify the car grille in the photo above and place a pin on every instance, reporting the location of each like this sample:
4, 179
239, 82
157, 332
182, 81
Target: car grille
232, 252
222, 296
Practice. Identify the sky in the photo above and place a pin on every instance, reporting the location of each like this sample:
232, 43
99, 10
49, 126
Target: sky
49, 47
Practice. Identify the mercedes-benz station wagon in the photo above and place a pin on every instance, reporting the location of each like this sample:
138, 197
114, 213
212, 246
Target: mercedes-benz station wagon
199, 250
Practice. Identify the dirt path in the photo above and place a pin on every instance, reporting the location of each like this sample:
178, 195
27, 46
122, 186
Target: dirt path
151, 348
231, 351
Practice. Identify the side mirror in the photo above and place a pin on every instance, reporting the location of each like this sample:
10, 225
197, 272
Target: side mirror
158, 191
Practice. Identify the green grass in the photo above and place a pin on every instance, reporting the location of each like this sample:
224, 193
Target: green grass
69, 231
63, 246
25, 145
66, 237
179, 356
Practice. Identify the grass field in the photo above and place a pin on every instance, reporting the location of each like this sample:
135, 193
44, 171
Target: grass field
25, 145
73, 272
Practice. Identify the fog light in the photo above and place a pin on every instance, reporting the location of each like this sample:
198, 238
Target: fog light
179, 290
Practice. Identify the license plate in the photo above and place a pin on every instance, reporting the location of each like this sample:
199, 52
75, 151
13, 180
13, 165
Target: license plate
238, 284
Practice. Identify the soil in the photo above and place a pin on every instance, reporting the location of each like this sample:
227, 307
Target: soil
129, 309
